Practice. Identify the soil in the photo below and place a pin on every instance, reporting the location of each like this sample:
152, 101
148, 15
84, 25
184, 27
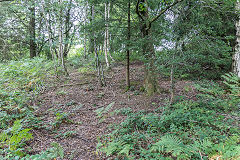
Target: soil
80, 95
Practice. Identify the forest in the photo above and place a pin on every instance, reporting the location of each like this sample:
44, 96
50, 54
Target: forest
119, 79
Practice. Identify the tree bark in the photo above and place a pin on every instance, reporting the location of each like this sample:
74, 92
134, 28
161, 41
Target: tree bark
32, 30
106, 36
85, 37
47, 17
60, 34
91, 38
236, 56
67, 31
128, 46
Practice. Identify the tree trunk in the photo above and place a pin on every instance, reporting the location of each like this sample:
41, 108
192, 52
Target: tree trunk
67, 31
60, 34
32, 28
47, 18
91, 38
150, 83
128, 47
236, 56
106, 36
85, 37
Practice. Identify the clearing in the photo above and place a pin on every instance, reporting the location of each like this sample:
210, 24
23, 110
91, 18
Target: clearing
77, 97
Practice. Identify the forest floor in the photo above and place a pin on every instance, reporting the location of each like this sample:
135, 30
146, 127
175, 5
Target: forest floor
80, 95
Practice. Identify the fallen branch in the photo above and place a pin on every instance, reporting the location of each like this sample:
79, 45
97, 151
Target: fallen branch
73, 84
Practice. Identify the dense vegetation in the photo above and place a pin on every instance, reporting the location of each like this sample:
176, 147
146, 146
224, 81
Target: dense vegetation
187, 129
20, 83
49, 46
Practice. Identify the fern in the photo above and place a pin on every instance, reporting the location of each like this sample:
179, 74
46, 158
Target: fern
125, 151
232, 81
202, 146
15, 136
102, 112
230, 149
112, 148
169, 144
185, 130
52, 153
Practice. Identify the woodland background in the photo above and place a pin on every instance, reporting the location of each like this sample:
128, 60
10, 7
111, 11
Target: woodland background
119, 79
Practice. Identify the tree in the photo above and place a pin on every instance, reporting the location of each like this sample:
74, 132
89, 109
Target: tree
128, 46
22, 24
59, 27
91, 35
236, 56
18, 24
32, 31
206, 36
142, 10
85, 22
106, 37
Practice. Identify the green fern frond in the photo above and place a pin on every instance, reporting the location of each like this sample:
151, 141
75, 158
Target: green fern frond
125, 151
232, 81
169, 144
104, 110
202, 146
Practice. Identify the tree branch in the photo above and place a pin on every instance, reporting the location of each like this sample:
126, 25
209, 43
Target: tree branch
20, 19
137, 10
5, 0
164, 10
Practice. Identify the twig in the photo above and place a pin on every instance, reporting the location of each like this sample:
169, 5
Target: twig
73, 84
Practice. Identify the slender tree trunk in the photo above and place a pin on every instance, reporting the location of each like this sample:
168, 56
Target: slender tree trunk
85, 37
39, 46
102, 49
91, 38
172, 84
67, 31
236, 56
106, 36
48, 26
128, 46
93, 45
60, 34
99, 66
32, 27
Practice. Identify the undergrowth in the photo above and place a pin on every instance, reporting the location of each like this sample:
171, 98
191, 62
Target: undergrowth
20, 83
207, 128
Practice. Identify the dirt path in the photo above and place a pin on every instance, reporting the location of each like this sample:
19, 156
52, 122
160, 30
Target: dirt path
78, 97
